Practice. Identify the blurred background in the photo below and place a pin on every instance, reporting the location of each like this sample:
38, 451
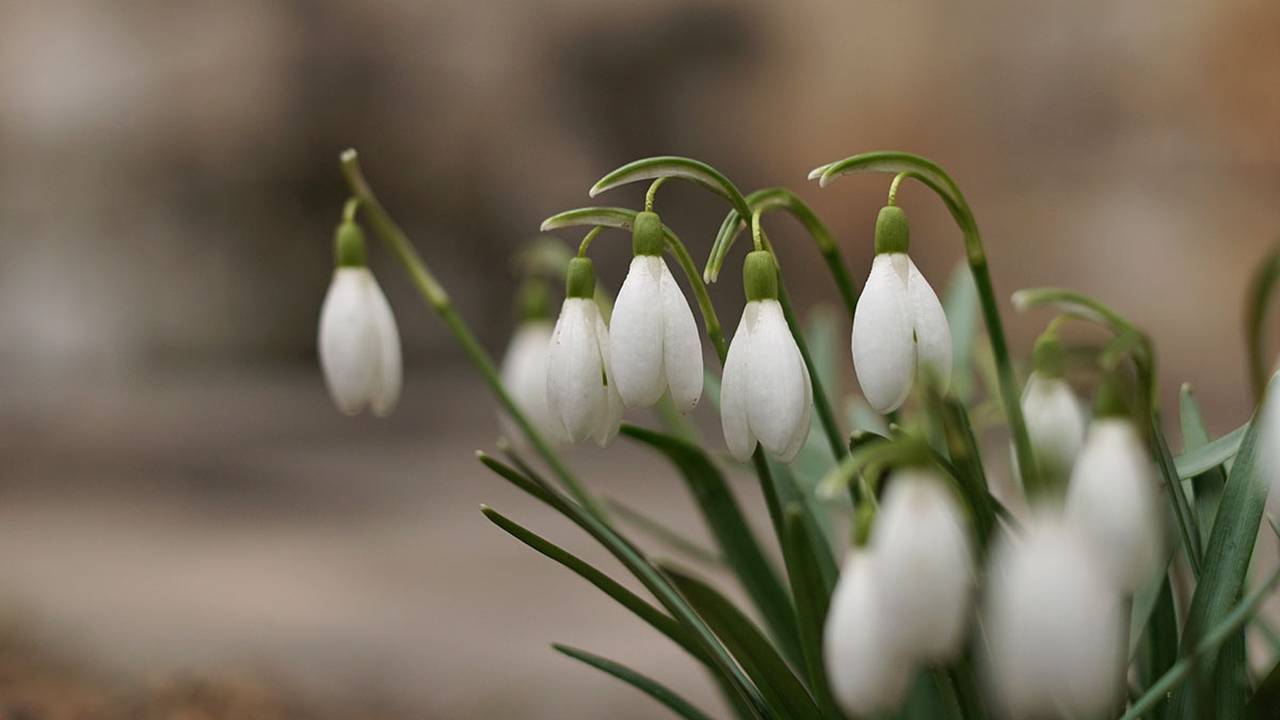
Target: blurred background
185, 520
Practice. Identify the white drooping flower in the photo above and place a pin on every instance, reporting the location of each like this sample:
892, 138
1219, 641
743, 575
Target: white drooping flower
925, 574
653, 340
866, 672
1054, 623
766, 395
1114, 500
358, 341
581, 394
1054, 416
524, 374
899, 327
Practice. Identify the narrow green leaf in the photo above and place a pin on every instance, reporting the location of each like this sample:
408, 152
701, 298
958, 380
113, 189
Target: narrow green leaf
652, 168
758, 658
1159, 639
614, 217
1261, 288
643, 683
960, 303
733, 536
645, 572
656, 529
787, 492
1226, 559
1203, 651
967, 461
657, 619
913, 166
1207, 485
1183, 513
1207, 457
811, 605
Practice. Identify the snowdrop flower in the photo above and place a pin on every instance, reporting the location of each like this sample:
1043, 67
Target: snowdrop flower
1113, 497
766, 394
581, 394
653, 340
524, 367
358, 340
925, 575
866, 673
1055, 625
1054, 415
899, 328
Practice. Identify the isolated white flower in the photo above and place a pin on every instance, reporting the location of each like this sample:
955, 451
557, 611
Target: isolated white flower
865, 670
766, 395
899, 327
1054, 623
1114, 500
359, 343
581, 394
1055, 421
653, 340
925, 565
524, 374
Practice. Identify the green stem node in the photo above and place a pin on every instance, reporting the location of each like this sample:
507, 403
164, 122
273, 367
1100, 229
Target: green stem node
646, 234
760, 276
580, 280
892, 235
348, 245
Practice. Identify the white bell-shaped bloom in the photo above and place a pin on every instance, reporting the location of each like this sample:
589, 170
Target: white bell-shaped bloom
925, 573
1055, 420
581, 394
1055, 625
524, 374
653, 340
359, 343
866, 672
899, 329
766, 395
1114, 499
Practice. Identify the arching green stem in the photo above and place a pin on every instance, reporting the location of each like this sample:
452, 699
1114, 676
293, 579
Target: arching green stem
587, 240
1261, 288
435, 296
652, 195
935, 179
768, 200
893, 188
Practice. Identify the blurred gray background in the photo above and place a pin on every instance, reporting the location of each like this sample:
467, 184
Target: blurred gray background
177, 494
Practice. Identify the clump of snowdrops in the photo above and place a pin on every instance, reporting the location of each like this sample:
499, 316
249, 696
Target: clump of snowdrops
1117, 589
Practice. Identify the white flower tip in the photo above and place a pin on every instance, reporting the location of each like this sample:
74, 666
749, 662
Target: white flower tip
1021, 300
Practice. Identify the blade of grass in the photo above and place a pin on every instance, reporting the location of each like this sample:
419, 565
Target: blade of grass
643, 683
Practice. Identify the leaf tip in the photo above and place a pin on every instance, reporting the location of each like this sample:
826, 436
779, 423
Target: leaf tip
348, 156
816, 173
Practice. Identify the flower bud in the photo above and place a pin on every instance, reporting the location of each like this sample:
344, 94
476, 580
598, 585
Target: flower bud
1055, 422
1114, 500
766, 395
925, 572
1054, 623
899, 327
866, 673
653, 340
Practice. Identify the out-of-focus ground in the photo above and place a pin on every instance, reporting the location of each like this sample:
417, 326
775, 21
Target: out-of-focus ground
179, 503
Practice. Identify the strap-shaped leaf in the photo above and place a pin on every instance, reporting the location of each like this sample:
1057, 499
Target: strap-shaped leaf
652, 168
1206, 457
657, 619
1261, 287
643, 683
759, 659
811, 605
675, 540
960, 303
1226, 558
729, 527
894, 162
1206, 486
648, 575
967, 462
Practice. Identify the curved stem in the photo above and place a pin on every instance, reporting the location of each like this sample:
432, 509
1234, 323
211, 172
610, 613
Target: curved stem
936, 179
652, 194
586, 240
757, 234
435, 296
893, 188
1261, 288
350, 208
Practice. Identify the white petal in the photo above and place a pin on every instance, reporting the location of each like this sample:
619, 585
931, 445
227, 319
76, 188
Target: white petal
866, 673
611, 411
883, 351
385, 389
1055, 423
347, 341
524, 374
635, 338
575, 386
1054, 625
681, 345
777, 404
926, 575
733, 390
933, 334
802, 427
1114, 500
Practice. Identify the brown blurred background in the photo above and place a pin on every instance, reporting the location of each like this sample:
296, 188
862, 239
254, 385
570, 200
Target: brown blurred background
178, 498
